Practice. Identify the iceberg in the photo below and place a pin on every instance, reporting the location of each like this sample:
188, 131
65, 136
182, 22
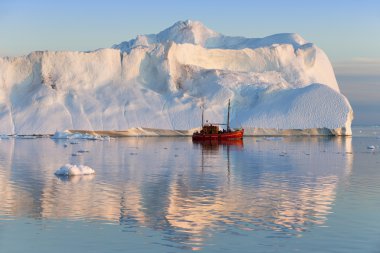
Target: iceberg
74, 170
76, 135
278, 85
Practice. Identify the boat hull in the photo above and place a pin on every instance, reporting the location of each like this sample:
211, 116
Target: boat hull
234, 135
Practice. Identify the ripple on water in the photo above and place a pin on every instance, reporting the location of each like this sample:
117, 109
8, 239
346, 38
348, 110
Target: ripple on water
211, 198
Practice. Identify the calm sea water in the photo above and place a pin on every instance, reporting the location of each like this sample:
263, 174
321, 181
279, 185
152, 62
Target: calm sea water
294, 194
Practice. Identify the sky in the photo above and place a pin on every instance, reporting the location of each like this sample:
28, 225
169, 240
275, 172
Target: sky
348, 31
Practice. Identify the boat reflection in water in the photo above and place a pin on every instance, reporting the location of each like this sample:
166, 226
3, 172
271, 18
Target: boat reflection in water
213, 146
216, 144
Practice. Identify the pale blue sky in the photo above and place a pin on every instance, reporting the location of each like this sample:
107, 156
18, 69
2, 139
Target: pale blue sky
344, 29
348, 31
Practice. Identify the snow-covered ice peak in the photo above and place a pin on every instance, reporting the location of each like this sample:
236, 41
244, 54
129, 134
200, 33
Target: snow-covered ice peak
196, 33
189, 31
193, 32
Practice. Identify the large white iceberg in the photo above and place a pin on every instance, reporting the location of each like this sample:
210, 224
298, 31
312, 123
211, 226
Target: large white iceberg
276, 84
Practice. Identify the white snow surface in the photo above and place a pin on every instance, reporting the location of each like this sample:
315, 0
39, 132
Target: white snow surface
161, 80
74, 170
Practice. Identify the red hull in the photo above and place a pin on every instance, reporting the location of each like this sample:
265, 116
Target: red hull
234, 135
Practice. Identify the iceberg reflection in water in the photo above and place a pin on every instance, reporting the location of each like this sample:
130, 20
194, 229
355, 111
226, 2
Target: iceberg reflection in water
171, 192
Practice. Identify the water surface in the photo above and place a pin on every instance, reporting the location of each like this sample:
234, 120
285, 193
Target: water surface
293, 194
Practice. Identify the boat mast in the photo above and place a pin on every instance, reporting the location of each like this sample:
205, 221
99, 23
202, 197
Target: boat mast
202, 115
228, 116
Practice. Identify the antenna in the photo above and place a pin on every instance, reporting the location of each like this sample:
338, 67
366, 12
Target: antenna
228, 117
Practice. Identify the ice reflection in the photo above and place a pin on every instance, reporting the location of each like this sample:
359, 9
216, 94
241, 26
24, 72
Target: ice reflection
185, 190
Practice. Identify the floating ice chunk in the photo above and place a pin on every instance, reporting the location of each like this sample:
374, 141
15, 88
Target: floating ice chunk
274, 138
83, 151
68, 135
4, 137
372, 147
73, 170
26, 137
106, 138
61, 135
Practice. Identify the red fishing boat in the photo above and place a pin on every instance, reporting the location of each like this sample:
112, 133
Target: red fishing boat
211, 131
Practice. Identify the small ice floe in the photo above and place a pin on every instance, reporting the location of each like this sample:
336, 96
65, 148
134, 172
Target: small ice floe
273, 138
83, 151
4, 137
60, 135
105, 138
74, 170
26, 137
68, 135
372, 147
